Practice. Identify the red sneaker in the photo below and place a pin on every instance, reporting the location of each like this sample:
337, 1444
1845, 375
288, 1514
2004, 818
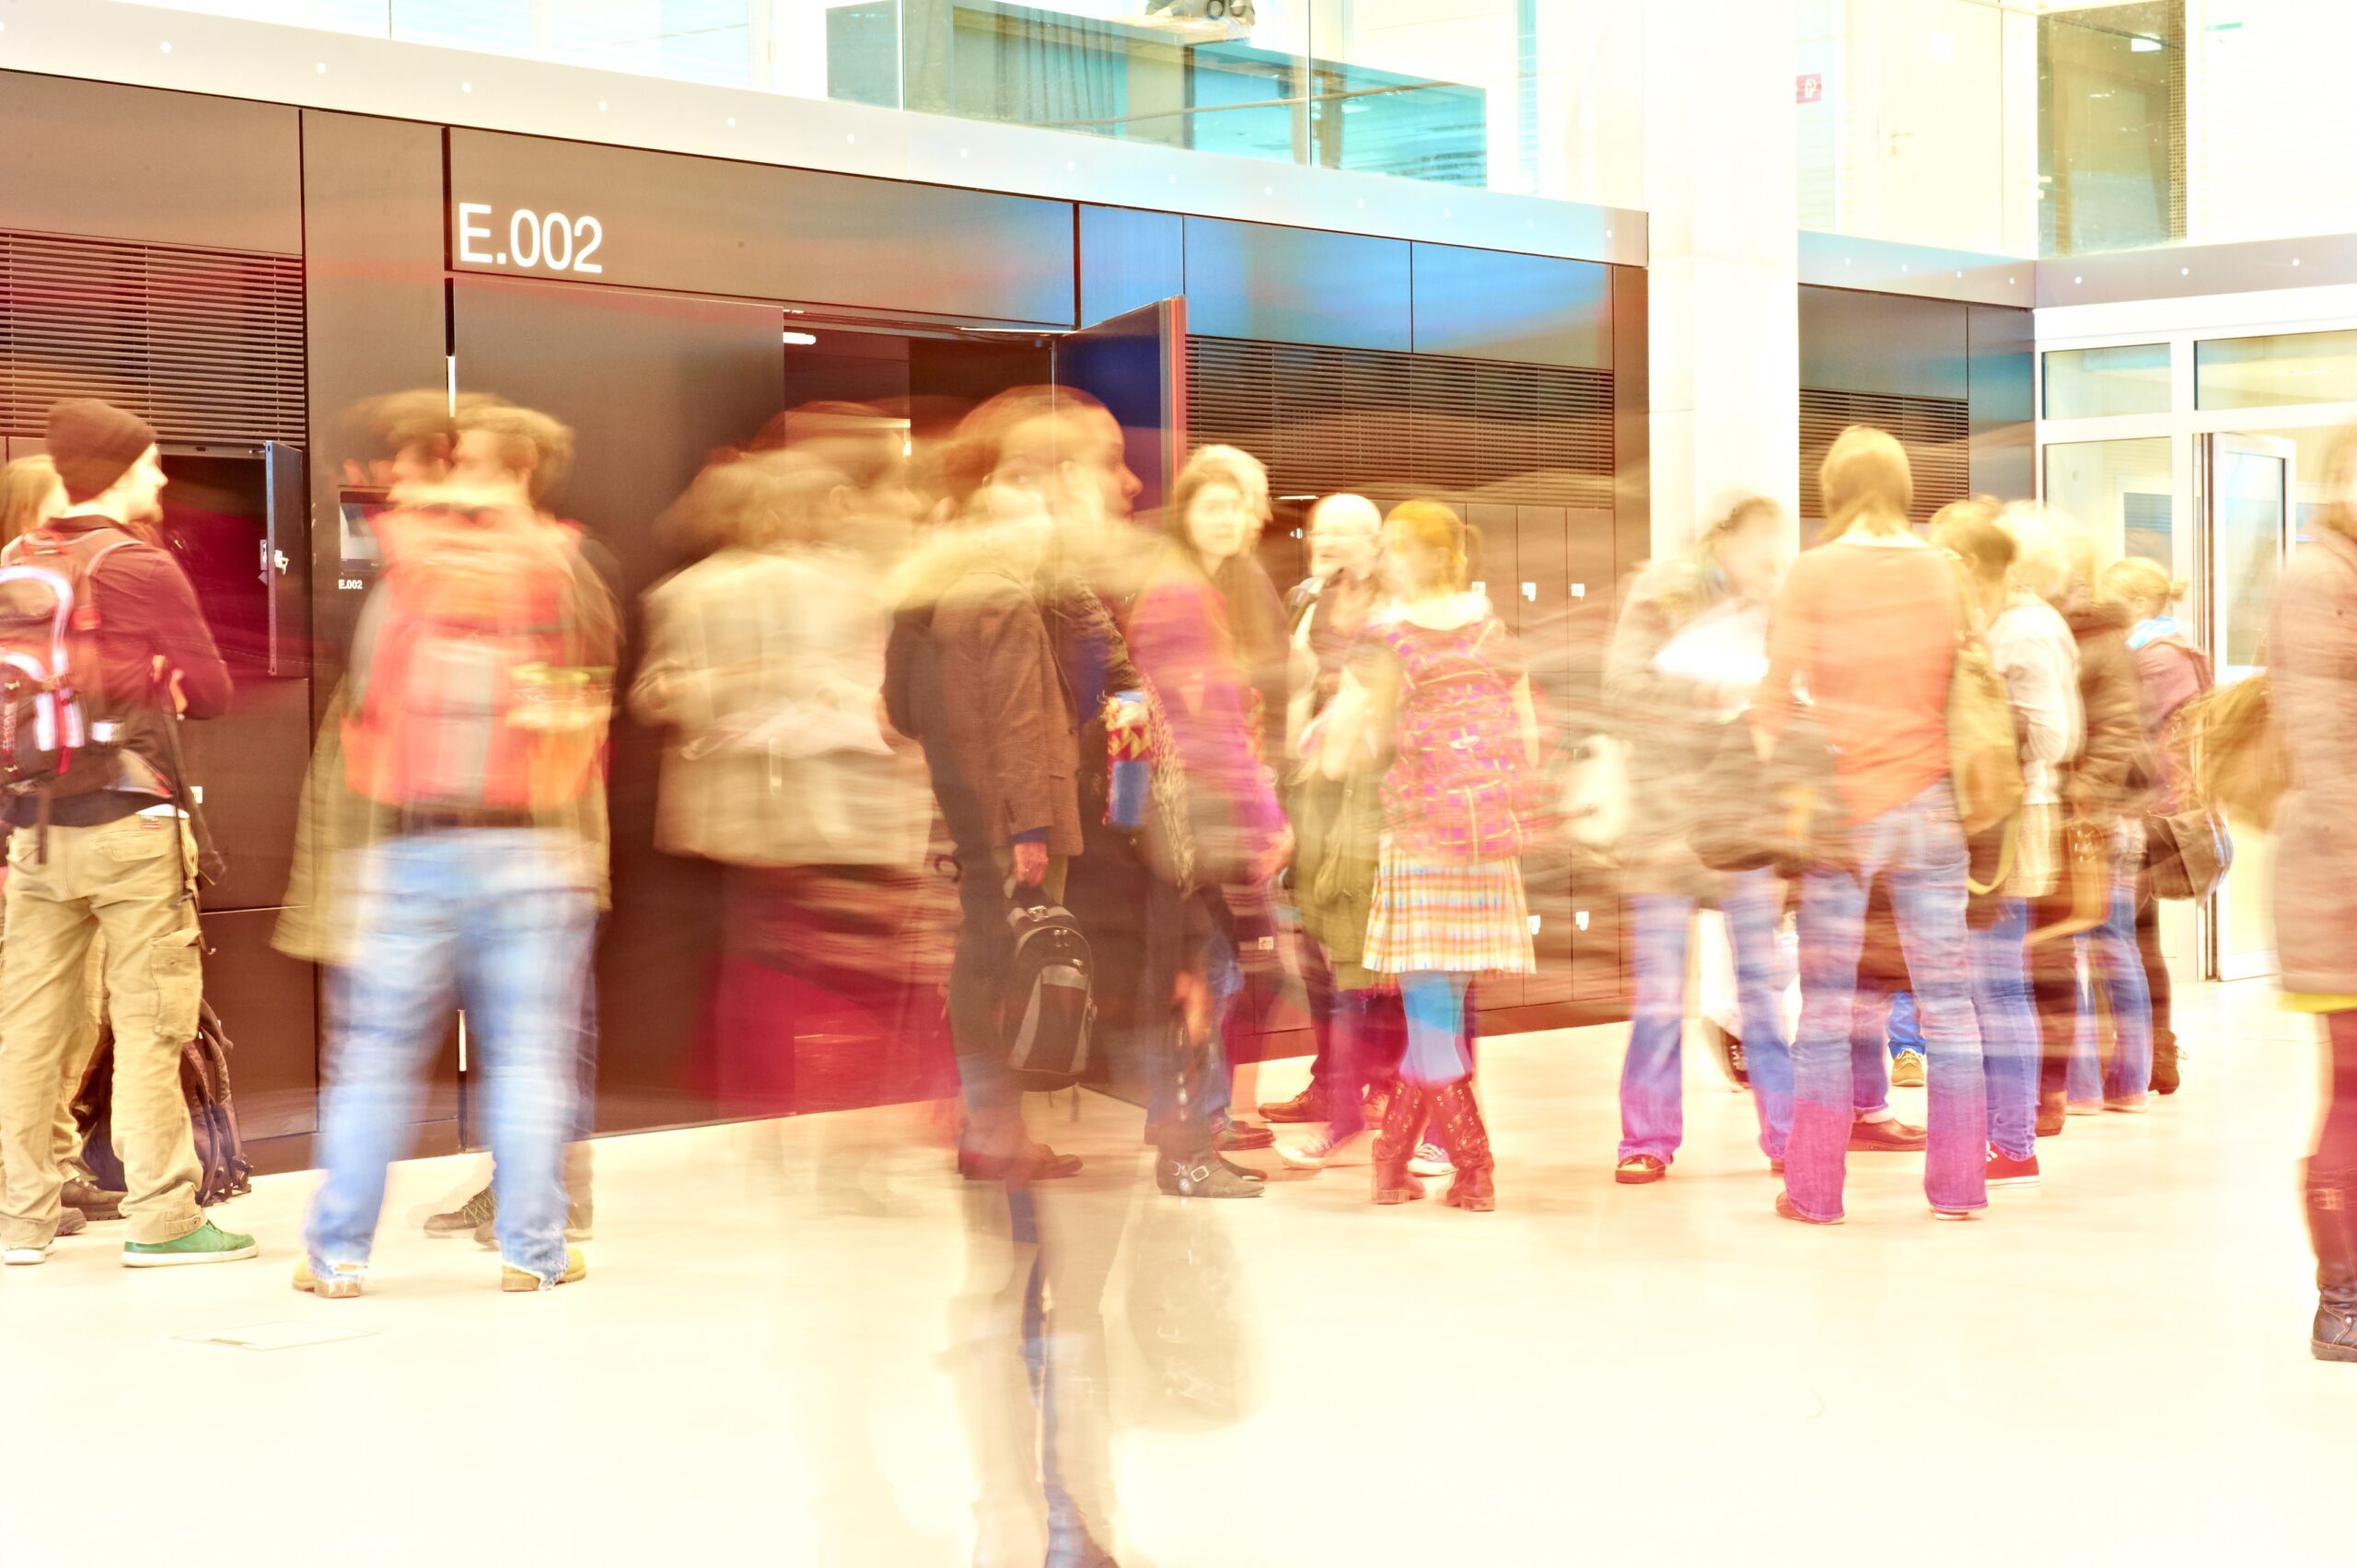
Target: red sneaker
2006, 1172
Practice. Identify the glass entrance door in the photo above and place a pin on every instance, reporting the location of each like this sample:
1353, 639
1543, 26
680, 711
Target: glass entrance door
2248, 485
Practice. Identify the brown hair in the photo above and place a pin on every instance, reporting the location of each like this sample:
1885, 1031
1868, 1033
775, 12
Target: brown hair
1239, 470
1867, 483
26, 487
854, 439
1437, 527
528, 441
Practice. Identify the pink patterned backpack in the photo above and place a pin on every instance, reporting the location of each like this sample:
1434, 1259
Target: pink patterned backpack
1458, 787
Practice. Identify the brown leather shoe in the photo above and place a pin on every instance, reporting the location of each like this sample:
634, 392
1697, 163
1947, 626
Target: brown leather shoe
95, 1201
1036, 1163
72, 1221
1468, 1137
1306, 1106
2052, 1112
1403, 1127
1891, 1137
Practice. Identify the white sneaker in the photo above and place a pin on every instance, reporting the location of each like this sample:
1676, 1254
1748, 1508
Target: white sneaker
24, 1257
1430, 1160
1320, 1150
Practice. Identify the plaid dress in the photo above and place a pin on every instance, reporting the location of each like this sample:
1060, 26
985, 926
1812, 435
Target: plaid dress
1456, 912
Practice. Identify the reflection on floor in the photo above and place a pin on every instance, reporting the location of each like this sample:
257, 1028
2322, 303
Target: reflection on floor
2111, 1368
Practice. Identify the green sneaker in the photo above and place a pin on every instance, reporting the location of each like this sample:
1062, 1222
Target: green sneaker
464, 1220
206, 1243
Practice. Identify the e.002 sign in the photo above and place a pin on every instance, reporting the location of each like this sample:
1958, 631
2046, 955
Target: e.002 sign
549, 240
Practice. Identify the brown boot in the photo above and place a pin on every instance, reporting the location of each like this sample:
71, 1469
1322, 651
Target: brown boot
1395, 1145
1459, 1115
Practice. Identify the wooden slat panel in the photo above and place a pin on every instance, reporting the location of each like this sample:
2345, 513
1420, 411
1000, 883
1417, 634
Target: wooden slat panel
1935, 431
205, 345
1328, 419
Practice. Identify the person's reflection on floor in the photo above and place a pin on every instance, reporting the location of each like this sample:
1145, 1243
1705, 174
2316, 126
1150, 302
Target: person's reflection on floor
1027, 1352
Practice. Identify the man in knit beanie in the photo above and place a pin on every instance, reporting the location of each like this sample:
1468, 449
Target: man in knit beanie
103, 855
95, 444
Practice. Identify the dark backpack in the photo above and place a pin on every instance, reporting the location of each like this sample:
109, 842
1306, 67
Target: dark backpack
1048, 1009
212, 1114
57, 730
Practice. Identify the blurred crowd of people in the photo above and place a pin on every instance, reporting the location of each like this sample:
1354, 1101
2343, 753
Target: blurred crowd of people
936, 712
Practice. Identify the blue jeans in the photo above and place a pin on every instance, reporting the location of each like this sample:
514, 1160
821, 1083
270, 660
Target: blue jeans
1182, 1123
1905, 1033
2009, 1033
2115, 965
1653, 1101
487, 919
1919, 849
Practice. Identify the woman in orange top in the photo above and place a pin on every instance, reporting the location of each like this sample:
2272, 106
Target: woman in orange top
1867, 625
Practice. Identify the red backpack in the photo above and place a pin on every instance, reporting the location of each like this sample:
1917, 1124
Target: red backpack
474, 689
1459, 785
56, 727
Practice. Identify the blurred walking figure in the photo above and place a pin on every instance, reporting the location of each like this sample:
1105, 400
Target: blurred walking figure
99, 851
2312, 678
473, 740
2171, 673
1438, 683
2039, 659
1355, 1015
2104, 795
764, 664
1219, 834
1869, 625
1690, 647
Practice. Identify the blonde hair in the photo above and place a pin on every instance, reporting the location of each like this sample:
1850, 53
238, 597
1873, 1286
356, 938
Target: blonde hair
1867, 483
2139, 583
1439, 529
27, 489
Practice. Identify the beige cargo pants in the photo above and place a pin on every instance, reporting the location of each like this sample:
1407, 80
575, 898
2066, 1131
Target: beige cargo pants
122, 882
67, 1141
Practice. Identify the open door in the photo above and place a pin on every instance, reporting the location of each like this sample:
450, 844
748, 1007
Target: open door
2248, 488
1135, 363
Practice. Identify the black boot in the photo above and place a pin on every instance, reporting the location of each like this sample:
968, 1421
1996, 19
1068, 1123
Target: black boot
2332, 1223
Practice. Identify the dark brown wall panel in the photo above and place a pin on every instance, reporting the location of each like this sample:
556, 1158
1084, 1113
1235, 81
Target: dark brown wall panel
709, 225
134, 163
1296, 286
2002, 343
1889, 343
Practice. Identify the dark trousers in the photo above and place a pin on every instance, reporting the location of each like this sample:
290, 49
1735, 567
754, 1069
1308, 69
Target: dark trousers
2156, 973
2054, 991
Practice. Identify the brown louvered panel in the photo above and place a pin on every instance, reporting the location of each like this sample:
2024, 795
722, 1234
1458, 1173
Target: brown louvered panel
1935, 433
1328, 419
205, 345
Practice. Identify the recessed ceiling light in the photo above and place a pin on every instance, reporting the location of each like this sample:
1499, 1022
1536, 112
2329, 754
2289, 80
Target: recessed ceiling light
849, 139
732, 122
961, 152
166, 48
1174, 179
1902, 266
466, 87
2295, 261
602, 106
2078, 280
321, 67
1363, 202
1608, 233
2009, 280
2184, 271
1959, 272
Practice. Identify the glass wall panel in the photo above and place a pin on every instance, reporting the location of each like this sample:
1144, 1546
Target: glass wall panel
2120, 489
1538, 97
2089, 383
2269, 372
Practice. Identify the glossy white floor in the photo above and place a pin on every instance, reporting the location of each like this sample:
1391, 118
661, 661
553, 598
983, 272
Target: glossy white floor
2111, 1368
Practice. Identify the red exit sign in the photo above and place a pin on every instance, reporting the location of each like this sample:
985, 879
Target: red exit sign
1808, 88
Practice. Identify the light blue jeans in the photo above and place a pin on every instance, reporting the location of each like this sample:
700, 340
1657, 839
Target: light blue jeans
2009, 1032
1434, 1002
2114, 963
486, 919
1919, 849
1653, 1099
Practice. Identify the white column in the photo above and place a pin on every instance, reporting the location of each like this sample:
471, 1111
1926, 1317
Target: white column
1722, 196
